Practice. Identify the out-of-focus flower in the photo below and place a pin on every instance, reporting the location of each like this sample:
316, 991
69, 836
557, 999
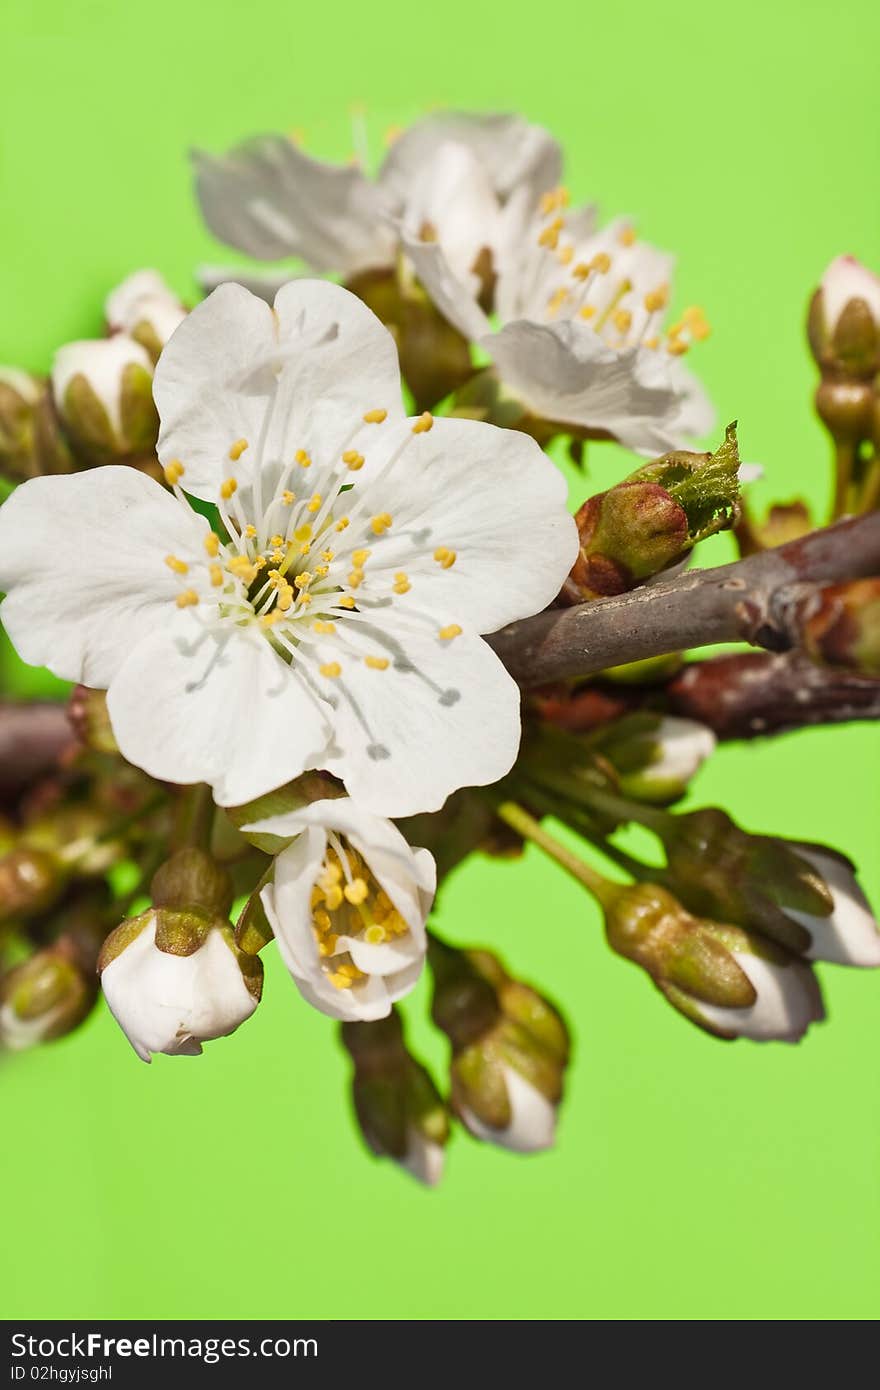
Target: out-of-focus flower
336, 623
348, 904
655, 756
145, 308
844, 320
44, 998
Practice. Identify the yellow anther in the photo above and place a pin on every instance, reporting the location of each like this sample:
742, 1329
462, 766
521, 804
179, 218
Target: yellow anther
581, 271
238, 449
178, 566
321, 571
327, 555
447, 633
375, 417
601, 262
322, 920
228, 488
303, 533
696, 321
331, 669
401, 583
351, 972
360, 557
187, 599
355, 578
324, 628
305, 547
270, 619
445, 557
333, 897
216, 574
285, 598
424, 423
346, 602
314, 505
627, 236
392, 133
353, 459
212, 543
174, 472
549, 237
657, 299
556, 301
588, 311
375, 935
303, 459
341, 523
331, 874
622, 320
345, 981
356, 892
377, 663
250, 531
275, 541
651, 343
288, 497
380, 523
677, 347
566, 255
303, 580
259, 562
277, 556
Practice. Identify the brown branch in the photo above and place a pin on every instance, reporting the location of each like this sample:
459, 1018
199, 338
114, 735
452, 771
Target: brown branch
754, 693
758, 600
32, 739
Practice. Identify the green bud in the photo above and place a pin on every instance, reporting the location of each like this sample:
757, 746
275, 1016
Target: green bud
843, 324
192, 879
44, 998
103, 392
31, 442
31, 881
655, 756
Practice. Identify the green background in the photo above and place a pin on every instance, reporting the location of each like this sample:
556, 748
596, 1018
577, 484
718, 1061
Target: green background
692, 1179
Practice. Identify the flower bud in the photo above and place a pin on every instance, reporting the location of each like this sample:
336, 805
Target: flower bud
804, 897
398, 1107
31, 881
652, 519
103, 392
509, 1050
841, 626
843, 325
44, 998
655, 756
146, 309
30, 440
730, 982
175, 979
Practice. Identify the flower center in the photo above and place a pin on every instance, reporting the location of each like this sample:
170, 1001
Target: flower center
348, 903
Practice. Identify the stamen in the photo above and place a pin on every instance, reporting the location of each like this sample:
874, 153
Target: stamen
627, 236
212, 543
250, 531
445, 557
356, 892
401, 583
375, 417
188, 599
288, 497
623, 320
381, 522
324, 628
315, 504
657, 299
377, 663
447, 633
424, 423
303, 459
588, 311
303, 533
341, 523
228, 489
695, 320
355, 578
216, 574
353, 460
174, 472
238, 449
347, 601
178, 566
331, 669
360, 557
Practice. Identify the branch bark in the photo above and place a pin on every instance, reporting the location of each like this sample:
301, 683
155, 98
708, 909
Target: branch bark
32, 739
757, 600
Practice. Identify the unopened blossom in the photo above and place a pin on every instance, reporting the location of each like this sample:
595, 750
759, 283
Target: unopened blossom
532, 1124
102, 391
846, 279
674, 751
348, 904
461, 181
580, 334
849, 934
144, 307
333, 617
168, 1001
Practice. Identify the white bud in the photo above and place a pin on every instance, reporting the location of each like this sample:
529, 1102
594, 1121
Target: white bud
144, 307
172, 1003
678, 748
850, 935
532, 1124
102, 362
424, 1158
788, 1001
844, 280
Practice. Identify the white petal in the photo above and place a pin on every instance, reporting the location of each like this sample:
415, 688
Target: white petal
144, 297
301, 376
102, 362
424, 1159
492, 497
513, 152
788, 1002
684, 745
846, 279
265, 284
167, 1003
267, 198
564, 373
191, 706
82, 562
452, 197
443, 715
453, 296
850, 936
532, 1124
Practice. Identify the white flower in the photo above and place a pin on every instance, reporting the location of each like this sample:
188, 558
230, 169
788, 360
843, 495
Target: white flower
348, 906
581, 339
532, 1123
457, 180
173, 1003
106, 371
849, 935
144, 307
677, 749
336, 623
788, 1000
846, 279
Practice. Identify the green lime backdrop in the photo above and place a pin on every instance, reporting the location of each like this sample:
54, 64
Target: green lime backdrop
693, 1179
